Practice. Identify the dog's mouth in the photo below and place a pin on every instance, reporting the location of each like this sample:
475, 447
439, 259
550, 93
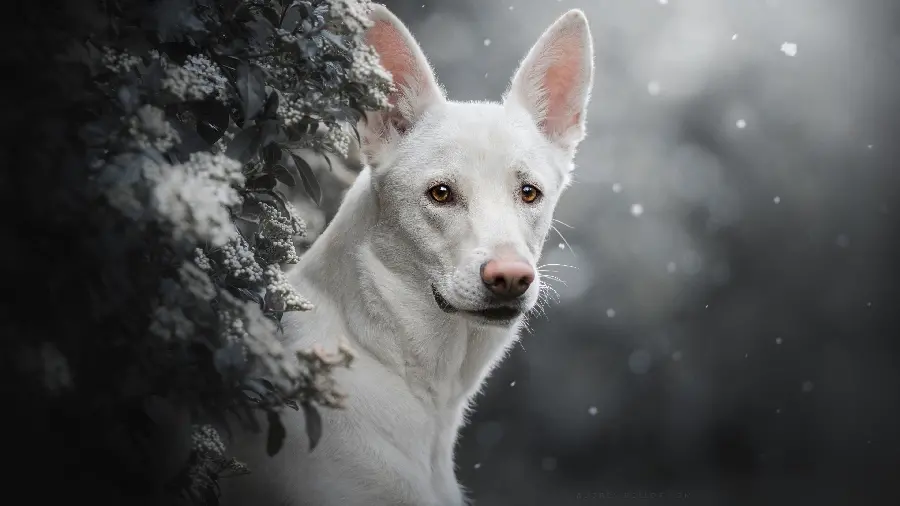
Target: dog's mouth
497, 314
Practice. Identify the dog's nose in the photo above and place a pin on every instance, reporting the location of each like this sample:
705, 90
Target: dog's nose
507, 278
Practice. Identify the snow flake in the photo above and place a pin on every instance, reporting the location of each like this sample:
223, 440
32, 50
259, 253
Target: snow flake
789, 48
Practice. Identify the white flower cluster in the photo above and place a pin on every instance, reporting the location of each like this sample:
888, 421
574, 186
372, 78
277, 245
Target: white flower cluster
291, 108
149, 128
193, 197
238, 260
298, 225
202, 260
196, 80
171, 323
196, 282
279, 231
281, 293
366, 69
206, 439
353, 14
119, 62
338, 139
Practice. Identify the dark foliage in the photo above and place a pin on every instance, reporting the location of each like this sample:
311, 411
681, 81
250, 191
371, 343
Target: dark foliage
144, 143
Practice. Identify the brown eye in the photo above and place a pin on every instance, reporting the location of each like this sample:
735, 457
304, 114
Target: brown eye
530, 193
441, 194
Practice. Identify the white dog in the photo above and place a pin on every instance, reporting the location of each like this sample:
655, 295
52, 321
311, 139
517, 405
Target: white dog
426, 270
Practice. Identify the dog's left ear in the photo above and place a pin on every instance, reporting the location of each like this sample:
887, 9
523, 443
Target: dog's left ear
416, 88
553, 82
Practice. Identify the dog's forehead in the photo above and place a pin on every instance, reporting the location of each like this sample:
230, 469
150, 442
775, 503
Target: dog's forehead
478, 138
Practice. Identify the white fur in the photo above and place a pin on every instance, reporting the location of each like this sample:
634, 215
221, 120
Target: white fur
372, 270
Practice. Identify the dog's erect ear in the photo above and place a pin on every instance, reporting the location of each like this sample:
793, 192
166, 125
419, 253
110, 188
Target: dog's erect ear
416, 88
554, 80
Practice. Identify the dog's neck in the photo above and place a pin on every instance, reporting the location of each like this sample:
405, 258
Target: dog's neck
389, 310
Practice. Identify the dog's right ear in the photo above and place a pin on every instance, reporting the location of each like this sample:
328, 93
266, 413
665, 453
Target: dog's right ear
415, 86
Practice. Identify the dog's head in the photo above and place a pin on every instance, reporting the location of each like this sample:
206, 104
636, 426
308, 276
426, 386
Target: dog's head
466, 191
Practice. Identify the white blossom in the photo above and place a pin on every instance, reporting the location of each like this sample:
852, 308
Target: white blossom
149, 128
352, 14
202, 260
279, 231
239, 261
281, 293
171, 323
196, 80
206, 439
338, 139
193, 197
291, 108
366, 68
119, 62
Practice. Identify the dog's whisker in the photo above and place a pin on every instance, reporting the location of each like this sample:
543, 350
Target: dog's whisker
563, 223
553, 227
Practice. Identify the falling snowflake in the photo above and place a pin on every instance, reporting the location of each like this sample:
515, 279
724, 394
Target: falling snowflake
639, 361
741, 123
487, 42
777, 200
512, 384
671, 267
807, 386
734, 37
663, 2
778, 340
610, 313
637, 209
562, 246
592, 410
653, 88
616, 188
789, 49
478, 465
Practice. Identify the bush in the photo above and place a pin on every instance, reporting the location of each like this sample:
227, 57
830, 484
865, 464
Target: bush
145, 146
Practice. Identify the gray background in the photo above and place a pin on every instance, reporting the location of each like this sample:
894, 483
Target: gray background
734, 341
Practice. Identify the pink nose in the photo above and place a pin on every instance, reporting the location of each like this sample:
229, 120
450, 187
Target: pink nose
507, 278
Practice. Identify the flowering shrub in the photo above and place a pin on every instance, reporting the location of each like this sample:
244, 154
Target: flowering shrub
150, 214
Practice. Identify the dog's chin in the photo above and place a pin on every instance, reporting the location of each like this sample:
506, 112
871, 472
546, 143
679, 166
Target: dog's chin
502, 316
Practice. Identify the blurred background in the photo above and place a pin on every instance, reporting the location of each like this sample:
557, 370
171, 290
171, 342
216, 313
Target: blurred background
725, 332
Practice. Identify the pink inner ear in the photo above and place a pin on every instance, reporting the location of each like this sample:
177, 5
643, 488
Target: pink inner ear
561, 81
393, 52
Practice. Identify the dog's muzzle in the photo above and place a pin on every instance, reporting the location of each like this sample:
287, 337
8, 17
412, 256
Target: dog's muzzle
497, 315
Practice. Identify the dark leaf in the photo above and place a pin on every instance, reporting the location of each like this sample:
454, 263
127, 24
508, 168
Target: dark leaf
251, 88
272, 16
313, 424
284, 175
308, 177
264, 182
243, 13
277, 433
271, 153
212, 120
268, 384
270, 111
245, 145
291, 403
269, 132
